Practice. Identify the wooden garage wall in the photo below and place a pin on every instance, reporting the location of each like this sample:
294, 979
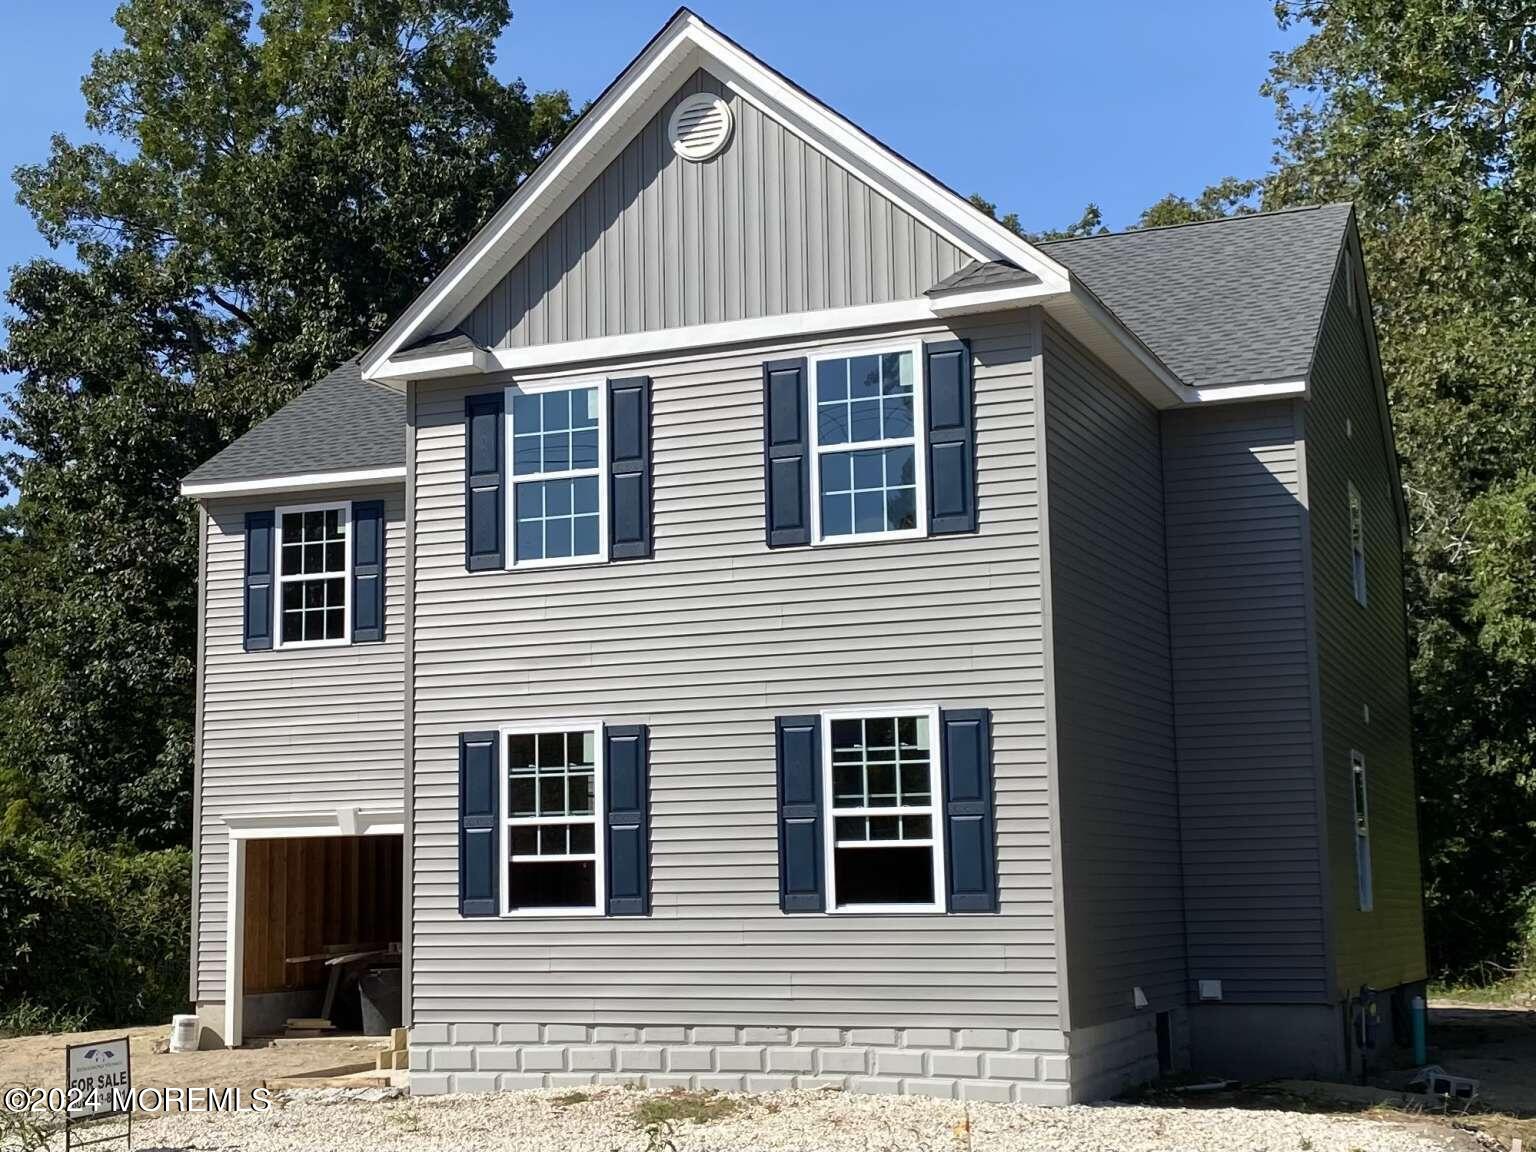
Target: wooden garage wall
305, 894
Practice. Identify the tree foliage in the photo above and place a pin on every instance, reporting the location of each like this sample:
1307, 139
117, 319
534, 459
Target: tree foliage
261, 196
1421, 112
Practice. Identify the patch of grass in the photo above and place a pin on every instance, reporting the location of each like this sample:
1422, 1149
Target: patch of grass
1503, 987
681, 1105
570, 1098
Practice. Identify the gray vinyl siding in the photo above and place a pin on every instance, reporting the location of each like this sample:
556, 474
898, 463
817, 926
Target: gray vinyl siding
706, 643
293, 730
769, 226
1362, 661
1116, 759
1248, 787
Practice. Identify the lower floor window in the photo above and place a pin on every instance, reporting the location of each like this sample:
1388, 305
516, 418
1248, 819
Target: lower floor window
552, 800
882, 777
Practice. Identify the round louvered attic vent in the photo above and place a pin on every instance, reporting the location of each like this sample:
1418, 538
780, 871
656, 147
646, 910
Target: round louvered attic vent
700, 126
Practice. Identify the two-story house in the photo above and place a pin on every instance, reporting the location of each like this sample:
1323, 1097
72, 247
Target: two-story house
755, 621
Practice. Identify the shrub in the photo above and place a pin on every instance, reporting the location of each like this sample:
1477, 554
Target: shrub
90, 937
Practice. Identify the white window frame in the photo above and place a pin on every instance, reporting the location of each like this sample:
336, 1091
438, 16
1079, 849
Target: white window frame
279, 580
598, 855
1360, 804
919, 443
935, 809
537, 388
1357, 566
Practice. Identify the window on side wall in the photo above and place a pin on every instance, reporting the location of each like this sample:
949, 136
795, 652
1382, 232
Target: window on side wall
885, 851
313, 570
557, 510
868, 452
552, 793
1364, 893
1356, 544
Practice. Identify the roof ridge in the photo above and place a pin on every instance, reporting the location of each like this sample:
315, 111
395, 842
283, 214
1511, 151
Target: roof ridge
1233, 219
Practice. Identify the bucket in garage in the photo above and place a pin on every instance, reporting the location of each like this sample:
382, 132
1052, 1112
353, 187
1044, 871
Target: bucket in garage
379, 989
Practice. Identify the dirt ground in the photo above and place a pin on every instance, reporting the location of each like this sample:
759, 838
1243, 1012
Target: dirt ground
1496, 1044
38, 1061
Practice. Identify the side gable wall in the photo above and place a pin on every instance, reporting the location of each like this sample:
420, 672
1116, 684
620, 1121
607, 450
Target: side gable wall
1362, 662
770, 226
1116, 763
1249, 794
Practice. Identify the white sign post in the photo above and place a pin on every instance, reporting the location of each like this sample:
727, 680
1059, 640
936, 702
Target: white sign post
98, 1083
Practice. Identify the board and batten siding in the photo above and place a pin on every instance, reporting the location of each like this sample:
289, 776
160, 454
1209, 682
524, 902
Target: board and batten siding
706, 643
1249, 793
1116, 760
769, 226
1362, 662
292, 730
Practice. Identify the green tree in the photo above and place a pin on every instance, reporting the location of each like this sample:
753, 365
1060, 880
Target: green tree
1230, 197
268, 194
1421, 112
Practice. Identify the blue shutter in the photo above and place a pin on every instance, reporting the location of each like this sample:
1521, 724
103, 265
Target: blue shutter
367, 571
786, 453
627, 822
970, 844
479, 817
629, 468
797, 740
259, 606
951, 437
484, 482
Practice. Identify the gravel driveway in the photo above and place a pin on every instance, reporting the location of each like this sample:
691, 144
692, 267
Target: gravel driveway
606, 1119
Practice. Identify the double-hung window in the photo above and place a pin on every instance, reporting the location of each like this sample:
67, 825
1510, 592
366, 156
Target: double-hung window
551, 796
558, 505
1366, 897
1356, 544
885, 851
866, 423
313, 573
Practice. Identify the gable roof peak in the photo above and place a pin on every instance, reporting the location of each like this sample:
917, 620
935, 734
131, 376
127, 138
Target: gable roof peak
684, 44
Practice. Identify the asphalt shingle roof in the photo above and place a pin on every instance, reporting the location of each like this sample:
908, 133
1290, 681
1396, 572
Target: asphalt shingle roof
443, 342
1223, 302
341, 423
983, 274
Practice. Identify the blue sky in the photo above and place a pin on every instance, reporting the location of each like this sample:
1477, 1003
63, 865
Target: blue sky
1039, 105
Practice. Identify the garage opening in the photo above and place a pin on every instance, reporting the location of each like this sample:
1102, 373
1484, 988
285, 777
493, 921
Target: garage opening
322, 936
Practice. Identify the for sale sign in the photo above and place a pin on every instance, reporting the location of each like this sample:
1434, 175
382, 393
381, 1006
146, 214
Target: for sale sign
99, 1079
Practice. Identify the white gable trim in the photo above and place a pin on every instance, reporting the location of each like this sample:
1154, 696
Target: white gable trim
684, 44
299, 483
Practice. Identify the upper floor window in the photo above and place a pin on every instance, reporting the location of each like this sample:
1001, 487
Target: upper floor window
868, 452
1356, 544
552, 796
313, 569
1363, 884
557, 476
882, 774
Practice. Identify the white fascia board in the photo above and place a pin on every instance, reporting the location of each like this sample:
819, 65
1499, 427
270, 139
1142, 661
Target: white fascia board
463, 363
307, 481
1254, 390
1084, 302
962, 301
698, 337
685, 44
